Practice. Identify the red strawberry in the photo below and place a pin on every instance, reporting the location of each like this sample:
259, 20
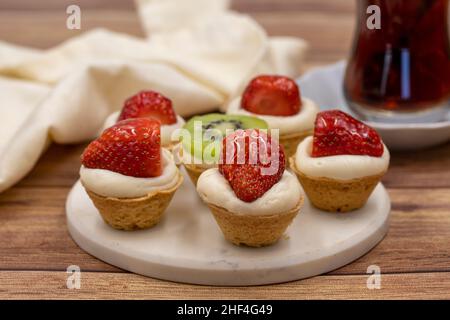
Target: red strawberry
272, 95
131, 147
338, 133
149, 104
251, 162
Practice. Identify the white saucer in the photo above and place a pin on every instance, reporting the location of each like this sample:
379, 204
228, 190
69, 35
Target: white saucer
188, 246
324, 86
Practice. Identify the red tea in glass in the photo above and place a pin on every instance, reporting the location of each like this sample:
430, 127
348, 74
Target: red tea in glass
401, 71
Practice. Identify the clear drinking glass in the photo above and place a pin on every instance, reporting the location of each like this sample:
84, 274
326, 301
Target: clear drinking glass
400, 72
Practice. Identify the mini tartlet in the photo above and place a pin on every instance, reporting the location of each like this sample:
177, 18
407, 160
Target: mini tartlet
128, 176
341, 164
277, 100
253, 199
202, 136
150, 104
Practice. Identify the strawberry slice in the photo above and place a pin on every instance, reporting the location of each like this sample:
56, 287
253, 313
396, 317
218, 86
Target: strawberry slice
251, 162
149, 104
272, 95
337, 133
131, 147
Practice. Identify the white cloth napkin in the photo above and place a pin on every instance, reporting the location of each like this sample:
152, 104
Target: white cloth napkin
199, 54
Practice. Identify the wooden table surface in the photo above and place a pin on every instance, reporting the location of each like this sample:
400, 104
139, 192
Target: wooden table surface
36, 249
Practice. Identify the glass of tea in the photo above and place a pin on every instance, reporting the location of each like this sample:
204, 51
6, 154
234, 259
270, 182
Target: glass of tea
399, 69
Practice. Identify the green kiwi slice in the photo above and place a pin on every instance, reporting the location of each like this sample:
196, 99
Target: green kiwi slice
206, 132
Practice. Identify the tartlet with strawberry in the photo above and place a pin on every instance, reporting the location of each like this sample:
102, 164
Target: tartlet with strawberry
128, 176
341, 164
251, 195
150, 104
202, 137
277, 100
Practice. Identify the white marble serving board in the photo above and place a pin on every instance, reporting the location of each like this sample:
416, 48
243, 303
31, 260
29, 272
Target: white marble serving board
188, 246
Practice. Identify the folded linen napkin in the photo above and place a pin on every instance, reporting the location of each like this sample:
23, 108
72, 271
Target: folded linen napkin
199, 55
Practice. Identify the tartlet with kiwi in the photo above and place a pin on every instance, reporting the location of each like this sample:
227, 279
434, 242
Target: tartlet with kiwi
201, 140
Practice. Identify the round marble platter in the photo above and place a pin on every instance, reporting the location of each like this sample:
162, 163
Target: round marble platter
188, 246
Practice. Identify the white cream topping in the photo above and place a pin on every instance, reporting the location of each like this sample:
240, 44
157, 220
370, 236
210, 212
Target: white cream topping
283, 196
111, 120
166, 129
112, 184
340, 167
302, 121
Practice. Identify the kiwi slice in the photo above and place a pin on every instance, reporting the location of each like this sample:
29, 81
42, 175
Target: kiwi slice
206, 132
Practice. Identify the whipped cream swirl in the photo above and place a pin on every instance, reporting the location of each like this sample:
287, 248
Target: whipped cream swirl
340, 167
302, 121
113, 184
281, 197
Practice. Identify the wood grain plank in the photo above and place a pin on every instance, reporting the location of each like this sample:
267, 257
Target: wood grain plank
332, 7
329, 36
336, 6
429, 168
52, 285
46, 29
418, 239
33, 233
61, 5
